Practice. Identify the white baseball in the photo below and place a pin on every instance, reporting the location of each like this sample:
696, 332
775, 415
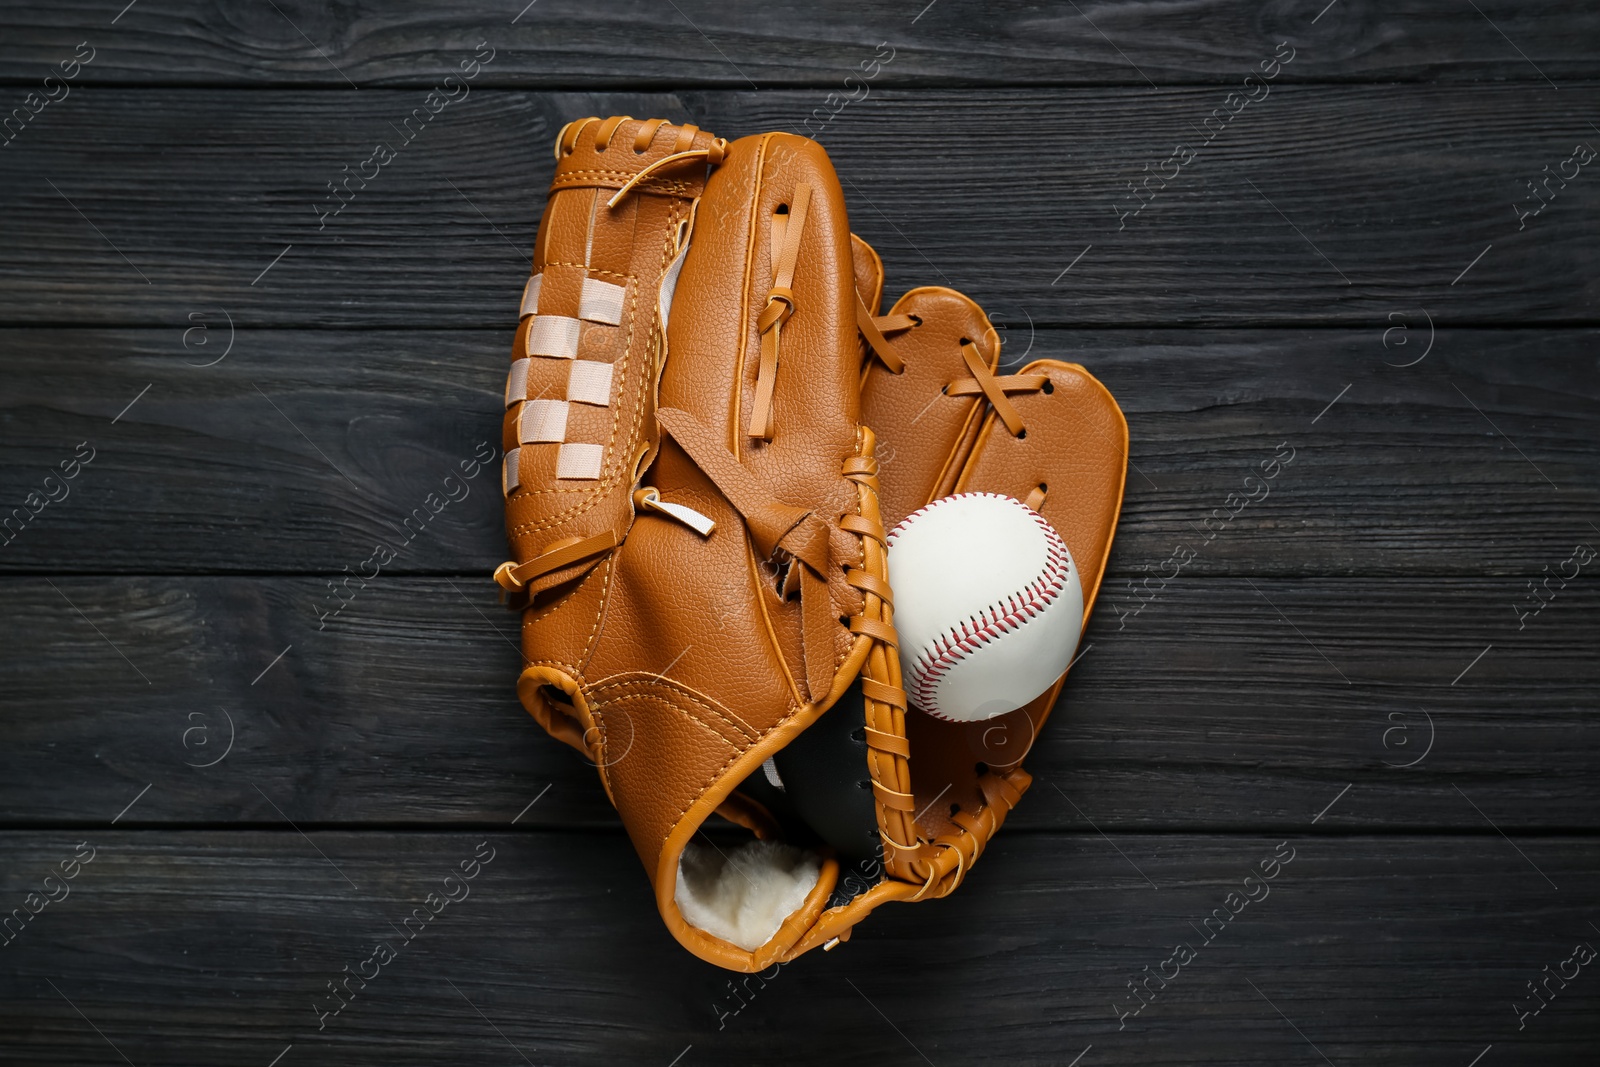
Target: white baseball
987, 602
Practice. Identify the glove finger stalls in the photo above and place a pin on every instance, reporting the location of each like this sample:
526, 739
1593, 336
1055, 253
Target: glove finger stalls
924, 432
1075, 453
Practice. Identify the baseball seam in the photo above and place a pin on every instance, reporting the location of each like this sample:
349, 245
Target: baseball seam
951, 647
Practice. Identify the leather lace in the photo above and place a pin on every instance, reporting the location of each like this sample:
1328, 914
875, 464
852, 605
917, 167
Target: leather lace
780, 305
994, 388
873, 327
711, 154
774, 527
514, 577
567, 139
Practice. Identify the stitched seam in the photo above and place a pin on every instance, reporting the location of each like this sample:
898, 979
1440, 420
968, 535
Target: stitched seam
610, 474
636, 429
594, 171
607, 566
794, 709
647, 697
591, 496
591, 270
607, 482
531, 617
1001, 617
594, 627
668, 187
718, 773
566, 668
628, 688
610, 478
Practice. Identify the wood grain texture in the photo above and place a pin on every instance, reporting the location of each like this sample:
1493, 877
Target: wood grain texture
561, 43
216, 948
1317, 205
273, 780
1223, 703
300, 450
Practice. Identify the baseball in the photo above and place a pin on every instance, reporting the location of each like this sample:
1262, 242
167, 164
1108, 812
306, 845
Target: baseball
987, 603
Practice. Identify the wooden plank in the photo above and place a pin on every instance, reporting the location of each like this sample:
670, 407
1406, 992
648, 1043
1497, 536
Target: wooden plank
1302, 210
296, 451
1223, 703
300, 450
216, 948
561, 43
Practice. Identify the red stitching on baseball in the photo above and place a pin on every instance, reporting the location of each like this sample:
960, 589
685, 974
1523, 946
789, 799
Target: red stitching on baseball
952, 646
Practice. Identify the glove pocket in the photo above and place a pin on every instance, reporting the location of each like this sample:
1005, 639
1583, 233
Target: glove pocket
696, 694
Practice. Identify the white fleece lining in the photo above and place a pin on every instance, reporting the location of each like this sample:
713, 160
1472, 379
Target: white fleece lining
742, 895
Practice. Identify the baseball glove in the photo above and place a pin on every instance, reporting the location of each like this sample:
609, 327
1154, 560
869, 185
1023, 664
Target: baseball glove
694, 505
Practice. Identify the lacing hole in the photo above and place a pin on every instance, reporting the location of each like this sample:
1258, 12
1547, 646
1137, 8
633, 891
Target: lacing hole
781, 209
955, 809
916, 320
966, 340
1022, 434
1049, 387
844, 620
859, 734
983, 768
944, 390
1044, 487
865, 783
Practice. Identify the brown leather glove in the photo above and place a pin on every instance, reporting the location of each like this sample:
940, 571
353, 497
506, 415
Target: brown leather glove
1049, 435
693, 502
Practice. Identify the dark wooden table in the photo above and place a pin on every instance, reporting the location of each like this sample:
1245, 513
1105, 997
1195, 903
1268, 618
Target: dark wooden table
221, 785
